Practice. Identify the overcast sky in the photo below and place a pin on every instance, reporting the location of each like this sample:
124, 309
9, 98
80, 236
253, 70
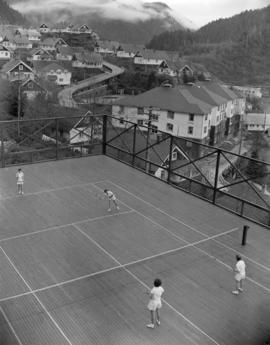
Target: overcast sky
202, 12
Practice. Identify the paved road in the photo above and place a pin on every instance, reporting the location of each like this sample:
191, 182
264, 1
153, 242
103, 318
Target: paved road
65, 95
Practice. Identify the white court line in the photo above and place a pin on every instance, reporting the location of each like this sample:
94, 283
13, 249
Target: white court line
145, 285
64, 225
107, 270
10, 326
39, 301
13, 196
179, 221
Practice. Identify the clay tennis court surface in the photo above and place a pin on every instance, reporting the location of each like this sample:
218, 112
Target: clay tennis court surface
72, 273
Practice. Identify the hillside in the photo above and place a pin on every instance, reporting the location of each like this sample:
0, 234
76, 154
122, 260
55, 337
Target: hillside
236, 49
131, 23
10, 16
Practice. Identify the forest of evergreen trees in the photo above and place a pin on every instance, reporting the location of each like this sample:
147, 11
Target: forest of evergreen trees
236, 49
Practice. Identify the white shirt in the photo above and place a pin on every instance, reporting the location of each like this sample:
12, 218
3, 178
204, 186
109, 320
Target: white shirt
241, 267
20, 176
156, 293
110, 195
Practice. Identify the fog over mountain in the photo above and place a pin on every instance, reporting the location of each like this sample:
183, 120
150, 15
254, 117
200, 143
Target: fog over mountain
126, 10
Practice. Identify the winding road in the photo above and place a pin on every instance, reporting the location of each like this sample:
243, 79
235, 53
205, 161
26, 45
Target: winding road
65, 96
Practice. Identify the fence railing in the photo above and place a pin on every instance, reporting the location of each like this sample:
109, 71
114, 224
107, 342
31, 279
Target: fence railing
234, 182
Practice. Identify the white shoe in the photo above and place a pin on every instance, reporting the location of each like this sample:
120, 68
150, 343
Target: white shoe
240, 289
150, 325
109, 210
158, 322
235, 292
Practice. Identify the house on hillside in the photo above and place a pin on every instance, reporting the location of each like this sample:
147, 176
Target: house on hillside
249, 91
106, 47
205, 114
5, 53
51, 43
126, 50
150, 57
84, 132
17, 70
257, 122
32, 35
54, 72
40, 54
31, 88
43, 29
87, 60
64, 53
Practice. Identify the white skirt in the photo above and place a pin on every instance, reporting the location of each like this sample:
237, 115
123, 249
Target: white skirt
154, 304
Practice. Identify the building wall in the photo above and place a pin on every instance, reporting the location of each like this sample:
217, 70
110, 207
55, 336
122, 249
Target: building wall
180, 123
142, 61
4, 55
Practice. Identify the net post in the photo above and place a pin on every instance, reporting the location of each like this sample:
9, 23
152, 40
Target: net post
216, 177
2, 147
244, 236
104, 135
134, 144
170, 159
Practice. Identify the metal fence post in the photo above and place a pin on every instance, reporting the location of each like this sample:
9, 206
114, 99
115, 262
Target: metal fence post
104, 135
216, 177
134, 144
2, 147
170, 159
56, 137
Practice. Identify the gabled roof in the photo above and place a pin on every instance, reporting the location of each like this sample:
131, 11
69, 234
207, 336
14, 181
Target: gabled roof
39, 65
166, 98
43, 26
35, 81
158, 54
53, 66
219, 90
110, 45
10, 65
88, 58
65, 50
204, 95
130, 48
52, 41
3, 48
38, 49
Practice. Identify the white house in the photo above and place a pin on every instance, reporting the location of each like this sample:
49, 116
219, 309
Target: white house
5, 54
126, 50
51, 43
43, 29
257, 122
40, 54
17, 70
84, 131
249, 91
55, 73
193, 112
106, 47
150, 57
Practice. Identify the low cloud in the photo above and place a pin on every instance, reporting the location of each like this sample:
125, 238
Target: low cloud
128, 10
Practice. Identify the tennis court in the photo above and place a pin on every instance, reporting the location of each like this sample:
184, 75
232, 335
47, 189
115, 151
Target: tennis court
72, 273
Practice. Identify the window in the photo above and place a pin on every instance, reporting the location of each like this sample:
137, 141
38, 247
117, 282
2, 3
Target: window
121, 109
154, 129
140, 122
169, 127
121, 120
6, 53
174, 156
217, 118
206, 117
205, 129
170, 115
30, 85
140, 111
20, 67
188, 144
190, 130
154, 117
61, 79
191, 117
